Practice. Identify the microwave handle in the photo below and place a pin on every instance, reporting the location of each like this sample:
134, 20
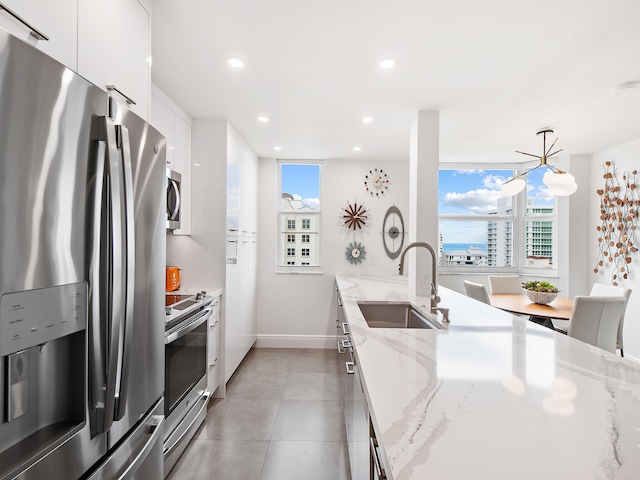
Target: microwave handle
176, 209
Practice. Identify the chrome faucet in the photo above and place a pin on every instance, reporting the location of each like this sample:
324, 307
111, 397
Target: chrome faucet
435, 299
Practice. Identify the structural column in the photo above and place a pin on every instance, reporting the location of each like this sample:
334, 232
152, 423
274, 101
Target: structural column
424, 157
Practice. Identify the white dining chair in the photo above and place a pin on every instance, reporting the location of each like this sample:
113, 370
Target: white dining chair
595, 320
603, 290
505, 284
477, 291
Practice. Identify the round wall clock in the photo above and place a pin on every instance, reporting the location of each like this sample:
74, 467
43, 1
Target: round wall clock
393, 232
354, 216
355, 253
376, 182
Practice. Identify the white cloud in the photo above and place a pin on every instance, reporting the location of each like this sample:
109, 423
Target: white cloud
469, 171
312, 203
543, 195
482, 200
493, 181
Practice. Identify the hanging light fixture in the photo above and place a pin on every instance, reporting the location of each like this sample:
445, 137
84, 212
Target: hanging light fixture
560, 183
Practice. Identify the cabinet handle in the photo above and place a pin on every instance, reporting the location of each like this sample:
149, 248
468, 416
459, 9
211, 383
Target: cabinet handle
351, 367
345, 328
373, 444
340, 349
34, 32
113, 88
339, 301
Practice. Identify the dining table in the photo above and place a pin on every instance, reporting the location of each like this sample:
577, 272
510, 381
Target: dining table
560, 308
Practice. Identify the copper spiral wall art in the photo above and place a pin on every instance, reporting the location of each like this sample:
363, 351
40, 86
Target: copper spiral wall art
617, 232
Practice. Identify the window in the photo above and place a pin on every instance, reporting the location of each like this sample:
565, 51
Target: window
479, 228
299, 208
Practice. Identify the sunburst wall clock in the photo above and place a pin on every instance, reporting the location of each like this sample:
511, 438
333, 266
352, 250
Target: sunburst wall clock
376, 182
393, 232
354, 216
355, 253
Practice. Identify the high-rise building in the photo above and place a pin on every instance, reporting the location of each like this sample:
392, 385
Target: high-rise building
538, 237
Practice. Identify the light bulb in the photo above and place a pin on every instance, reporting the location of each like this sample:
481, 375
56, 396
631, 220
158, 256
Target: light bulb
512, 187
563, 190
560, 179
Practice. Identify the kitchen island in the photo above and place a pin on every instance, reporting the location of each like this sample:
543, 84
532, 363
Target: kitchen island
492, 396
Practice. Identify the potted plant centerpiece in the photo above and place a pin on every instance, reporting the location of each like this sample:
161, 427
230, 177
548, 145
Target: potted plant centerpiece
540, 292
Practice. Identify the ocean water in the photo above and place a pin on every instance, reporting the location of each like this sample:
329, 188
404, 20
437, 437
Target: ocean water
447, 247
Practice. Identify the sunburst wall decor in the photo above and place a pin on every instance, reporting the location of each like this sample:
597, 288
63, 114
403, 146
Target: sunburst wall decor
617, 232
355, 253
354, 216
376, 182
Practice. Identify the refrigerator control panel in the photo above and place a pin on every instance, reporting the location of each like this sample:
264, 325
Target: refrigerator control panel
34, 317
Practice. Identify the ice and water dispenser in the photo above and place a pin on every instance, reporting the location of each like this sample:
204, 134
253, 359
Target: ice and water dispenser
42, 371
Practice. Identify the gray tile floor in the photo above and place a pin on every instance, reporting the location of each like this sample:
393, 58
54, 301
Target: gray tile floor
282, 419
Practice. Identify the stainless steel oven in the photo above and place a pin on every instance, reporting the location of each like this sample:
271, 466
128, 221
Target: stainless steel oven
174, 198
186, 395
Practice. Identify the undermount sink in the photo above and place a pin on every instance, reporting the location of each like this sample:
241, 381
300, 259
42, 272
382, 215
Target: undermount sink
395, 315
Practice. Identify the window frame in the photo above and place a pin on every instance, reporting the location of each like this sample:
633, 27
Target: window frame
518, 219
299, 268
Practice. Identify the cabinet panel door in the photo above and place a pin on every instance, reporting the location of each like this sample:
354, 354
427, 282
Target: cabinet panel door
57, 20
162, 119
113, 48
182, 164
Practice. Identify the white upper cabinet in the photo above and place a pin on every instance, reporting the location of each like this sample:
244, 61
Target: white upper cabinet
162, 118
172, 122
56, 20
114, 48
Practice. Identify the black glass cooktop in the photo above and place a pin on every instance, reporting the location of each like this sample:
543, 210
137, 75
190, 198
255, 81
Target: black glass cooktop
175, 298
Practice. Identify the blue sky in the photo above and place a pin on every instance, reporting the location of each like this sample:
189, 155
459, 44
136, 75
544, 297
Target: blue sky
469, 192
303, 182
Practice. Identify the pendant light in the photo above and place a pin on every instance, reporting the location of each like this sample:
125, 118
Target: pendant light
559, 182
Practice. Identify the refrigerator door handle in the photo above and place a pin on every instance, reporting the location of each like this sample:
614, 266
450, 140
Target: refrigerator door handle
154, 426
97, 293
117, 272
129, 278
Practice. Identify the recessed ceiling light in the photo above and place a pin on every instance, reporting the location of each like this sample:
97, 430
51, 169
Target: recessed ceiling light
263, 118
277, 147
388, 63
357, 149
236, 63
367, 120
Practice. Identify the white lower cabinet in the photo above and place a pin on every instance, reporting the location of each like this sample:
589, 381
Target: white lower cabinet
213, 347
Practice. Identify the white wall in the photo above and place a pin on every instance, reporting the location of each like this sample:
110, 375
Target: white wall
625, 158
299, 310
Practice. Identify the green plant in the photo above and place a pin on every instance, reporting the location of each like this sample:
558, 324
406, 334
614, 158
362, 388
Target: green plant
538, 286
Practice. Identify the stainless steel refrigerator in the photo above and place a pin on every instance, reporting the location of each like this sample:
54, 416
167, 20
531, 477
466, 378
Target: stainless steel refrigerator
82, 257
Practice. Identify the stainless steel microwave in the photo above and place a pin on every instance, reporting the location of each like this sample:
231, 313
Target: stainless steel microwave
173, 199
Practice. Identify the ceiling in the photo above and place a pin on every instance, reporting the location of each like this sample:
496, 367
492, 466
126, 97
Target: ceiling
497, 71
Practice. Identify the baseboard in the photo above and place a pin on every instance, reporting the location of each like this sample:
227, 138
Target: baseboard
629, 357
296, 341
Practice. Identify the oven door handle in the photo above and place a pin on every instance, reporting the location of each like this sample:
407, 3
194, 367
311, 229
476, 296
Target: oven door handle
191, 326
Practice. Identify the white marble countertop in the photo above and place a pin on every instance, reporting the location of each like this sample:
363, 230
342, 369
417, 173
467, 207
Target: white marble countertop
493, 396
